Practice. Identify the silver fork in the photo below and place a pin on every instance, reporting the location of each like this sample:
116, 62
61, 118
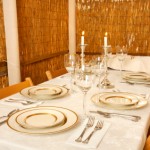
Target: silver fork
98, 126
88, 125
9, 114
23, 102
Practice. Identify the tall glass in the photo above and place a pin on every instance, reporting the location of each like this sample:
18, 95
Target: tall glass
121, 53
70, 63
84, 81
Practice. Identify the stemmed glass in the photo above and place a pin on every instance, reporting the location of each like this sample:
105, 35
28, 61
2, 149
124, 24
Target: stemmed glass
121, 53
84, 81
70, 62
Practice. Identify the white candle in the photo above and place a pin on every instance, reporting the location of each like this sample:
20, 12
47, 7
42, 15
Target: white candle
82, 38
105, 39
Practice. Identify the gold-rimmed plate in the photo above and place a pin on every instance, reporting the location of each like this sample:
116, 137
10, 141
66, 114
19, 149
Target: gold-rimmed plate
40, 118
133, 76
71, 119
26, 92
118, 99
38, 91
141, 102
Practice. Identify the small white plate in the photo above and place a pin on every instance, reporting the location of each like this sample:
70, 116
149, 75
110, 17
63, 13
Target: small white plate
44, 92
26, 92
40, 118
136, 76
118, 99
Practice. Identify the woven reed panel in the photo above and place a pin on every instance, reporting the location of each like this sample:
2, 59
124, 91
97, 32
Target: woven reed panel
126, 21
3, 64
43, 31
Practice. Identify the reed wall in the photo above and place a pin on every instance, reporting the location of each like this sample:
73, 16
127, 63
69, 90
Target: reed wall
3, 63
127, 22
43, 36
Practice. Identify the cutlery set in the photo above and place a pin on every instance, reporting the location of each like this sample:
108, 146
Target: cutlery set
126, 116
22, 101
89, 124
7, 116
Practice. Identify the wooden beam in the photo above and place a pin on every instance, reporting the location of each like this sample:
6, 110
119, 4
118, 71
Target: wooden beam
43, 58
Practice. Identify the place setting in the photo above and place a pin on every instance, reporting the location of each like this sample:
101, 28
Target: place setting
42, 120
85, 136
119, 100
136, 78
44, 92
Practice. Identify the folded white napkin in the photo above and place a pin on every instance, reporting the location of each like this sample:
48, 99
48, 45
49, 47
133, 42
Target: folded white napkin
95, 139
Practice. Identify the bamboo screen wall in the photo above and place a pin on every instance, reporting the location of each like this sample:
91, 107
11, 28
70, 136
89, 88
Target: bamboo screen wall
43, 36
126, 21
3, 63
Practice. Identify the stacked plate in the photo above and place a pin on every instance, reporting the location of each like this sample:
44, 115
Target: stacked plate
119, 100
44, 92
136, 77
42, 120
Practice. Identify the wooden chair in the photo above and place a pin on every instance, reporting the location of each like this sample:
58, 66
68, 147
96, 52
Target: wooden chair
147, 144
7, 91
52, 74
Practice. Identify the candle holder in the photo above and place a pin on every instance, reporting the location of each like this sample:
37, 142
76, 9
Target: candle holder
82, 46
106, 84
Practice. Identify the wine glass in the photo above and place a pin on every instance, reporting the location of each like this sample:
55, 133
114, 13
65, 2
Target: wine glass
84, 81
70, 63
121, 53
98, 67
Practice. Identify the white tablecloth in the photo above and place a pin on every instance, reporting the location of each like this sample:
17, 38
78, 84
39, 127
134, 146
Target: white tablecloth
131, 63
122, 134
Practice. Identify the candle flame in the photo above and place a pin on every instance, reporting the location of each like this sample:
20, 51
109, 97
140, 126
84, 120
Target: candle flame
82, 32
105, 33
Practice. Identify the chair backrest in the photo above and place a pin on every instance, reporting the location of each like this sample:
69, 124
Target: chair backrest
52, 74
147, 144
7, 91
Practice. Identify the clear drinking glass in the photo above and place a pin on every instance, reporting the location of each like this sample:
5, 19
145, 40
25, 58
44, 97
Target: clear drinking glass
84, 81
70, 63
121, 53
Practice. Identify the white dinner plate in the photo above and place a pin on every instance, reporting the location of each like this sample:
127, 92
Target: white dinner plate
141, 102
71, 119
26, 92
132, 76
40, 118
118, 99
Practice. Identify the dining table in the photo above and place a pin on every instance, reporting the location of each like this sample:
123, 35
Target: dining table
120, 133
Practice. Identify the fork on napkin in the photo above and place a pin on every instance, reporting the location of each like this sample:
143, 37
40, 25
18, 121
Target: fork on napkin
95, 139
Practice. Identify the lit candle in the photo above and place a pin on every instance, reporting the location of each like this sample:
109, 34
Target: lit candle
82, 38
105, 39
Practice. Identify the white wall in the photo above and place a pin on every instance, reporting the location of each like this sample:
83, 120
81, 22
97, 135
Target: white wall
72, 26
11, 35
